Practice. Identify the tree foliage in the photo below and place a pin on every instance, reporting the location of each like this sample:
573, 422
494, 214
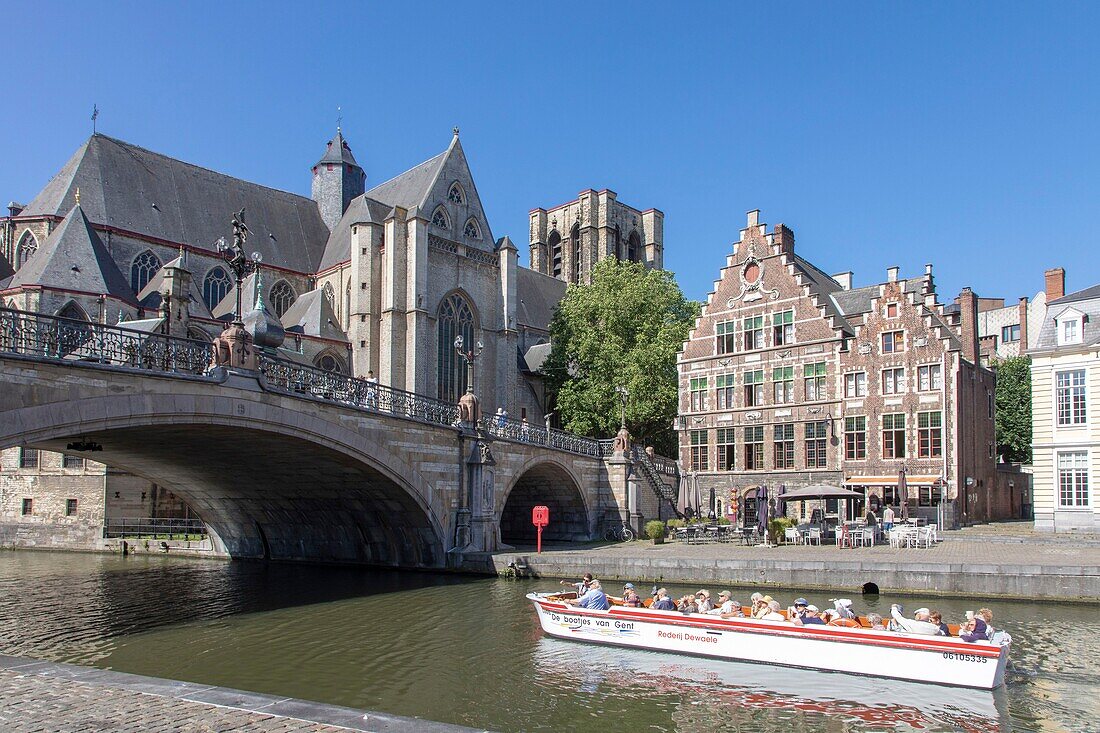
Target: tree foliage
622, 330
1014, 408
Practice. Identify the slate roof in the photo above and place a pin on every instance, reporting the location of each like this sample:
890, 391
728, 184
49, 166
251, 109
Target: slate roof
1086, 301
338, 151
536, 356
134, 189
858, 300
311, 315
412, 187
537, 297
361, 210
74, 258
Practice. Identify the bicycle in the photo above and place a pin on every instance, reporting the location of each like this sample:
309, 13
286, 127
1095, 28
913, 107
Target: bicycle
619, 533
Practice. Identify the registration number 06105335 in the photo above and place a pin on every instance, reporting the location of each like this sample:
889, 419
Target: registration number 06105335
965, 657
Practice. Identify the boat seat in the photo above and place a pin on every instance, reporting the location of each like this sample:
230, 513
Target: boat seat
647, 602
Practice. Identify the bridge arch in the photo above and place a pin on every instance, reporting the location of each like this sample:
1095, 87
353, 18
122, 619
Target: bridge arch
551, 483
271, 479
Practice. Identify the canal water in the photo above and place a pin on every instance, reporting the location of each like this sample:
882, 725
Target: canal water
469, 651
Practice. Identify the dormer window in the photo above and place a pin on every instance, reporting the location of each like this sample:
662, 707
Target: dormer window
472, 230
455, 195
439, 218
1069, 326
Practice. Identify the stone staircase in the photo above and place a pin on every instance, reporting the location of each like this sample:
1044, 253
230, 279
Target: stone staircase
1020, 531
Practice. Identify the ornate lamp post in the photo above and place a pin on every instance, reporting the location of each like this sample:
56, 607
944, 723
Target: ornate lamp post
623, 394
235, 258
469, 357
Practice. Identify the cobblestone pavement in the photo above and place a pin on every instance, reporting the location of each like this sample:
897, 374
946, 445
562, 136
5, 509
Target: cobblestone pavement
45, 697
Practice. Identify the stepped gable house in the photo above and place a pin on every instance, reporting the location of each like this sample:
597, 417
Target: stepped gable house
792, 377
362, 278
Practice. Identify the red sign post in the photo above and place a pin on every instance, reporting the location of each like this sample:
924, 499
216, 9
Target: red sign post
540, 517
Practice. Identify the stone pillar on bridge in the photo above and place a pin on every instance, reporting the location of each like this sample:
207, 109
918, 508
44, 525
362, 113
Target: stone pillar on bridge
619, 480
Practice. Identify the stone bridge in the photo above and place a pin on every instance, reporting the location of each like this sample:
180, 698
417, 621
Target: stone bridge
290, 462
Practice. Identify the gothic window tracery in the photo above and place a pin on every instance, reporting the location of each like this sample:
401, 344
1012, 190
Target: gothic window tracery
633, 248
28, 245
439, 218
473, 231
455, 195
215, 286
329, 363
72, 311
282, 297
575, 236
144, 267
456, 318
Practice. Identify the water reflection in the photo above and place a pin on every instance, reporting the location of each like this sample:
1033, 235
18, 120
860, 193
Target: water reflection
469, 651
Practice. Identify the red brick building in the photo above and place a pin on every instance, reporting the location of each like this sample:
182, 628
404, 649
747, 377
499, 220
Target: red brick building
792, 377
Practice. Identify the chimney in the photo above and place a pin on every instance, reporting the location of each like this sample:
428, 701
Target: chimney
968, 325
928, 287
784, 238
1023, 326
1055, 283
753, 218
892, 273
844, 279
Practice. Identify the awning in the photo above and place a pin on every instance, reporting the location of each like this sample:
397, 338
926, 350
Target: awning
911, 479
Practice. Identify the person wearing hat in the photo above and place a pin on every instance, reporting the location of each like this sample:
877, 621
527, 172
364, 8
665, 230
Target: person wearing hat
919, 624
726, 606
761, 609
798, 610
809, 616
772, 613
702, 601
630, 596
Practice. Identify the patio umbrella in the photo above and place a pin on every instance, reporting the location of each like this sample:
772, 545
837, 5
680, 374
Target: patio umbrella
683, 497
762, 509
780, 502
903, 495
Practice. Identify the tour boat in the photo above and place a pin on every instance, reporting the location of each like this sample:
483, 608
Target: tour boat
913, 657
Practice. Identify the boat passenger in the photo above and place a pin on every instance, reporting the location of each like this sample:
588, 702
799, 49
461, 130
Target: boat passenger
809, 617
843, 607
755, 602
798, 609
581, 587
726, 606
594, 598
919, 624
833, 618
974, 628
772, 613
630, 596
687, 605
937, 619
876, 622
663, 602
987, 616
763, 609
702, 602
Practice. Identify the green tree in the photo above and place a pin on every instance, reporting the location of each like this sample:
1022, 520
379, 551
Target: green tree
624, 330
1014, 408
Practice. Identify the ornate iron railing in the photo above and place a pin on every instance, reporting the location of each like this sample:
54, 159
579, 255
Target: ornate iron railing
298, 379
51, 337
518, 430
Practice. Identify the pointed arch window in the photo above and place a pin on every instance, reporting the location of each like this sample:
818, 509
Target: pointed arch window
633, 248
28, 245
144, 267
456, 318
456, 195
71, 336
575, 237
282, 297
472, 230
440, 219
554, 245
197, 334
215, 286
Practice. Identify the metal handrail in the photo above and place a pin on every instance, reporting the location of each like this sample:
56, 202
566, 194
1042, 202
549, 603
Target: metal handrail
518, 430
115, 527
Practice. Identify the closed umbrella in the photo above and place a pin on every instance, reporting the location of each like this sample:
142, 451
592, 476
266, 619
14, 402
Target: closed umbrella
762, 509
780, 503
696, 500
683, 496
903, 495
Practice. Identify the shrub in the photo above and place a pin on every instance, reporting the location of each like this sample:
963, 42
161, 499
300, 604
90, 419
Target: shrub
655, 529
777, 526
675, 523
724, 520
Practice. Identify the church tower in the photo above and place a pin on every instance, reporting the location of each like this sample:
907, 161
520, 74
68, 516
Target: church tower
337, 179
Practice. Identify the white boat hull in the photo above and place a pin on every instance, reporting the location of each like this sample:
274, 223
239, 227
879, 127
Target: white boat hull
911, 657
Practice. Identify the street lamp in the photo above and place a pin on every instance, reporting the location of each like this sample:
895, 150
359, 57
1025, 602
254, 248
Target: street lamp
234, 256
624, 394
469, 357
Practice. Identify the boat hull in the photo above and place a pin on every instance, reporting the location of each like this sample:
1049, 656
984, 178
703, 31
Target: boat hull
911, 657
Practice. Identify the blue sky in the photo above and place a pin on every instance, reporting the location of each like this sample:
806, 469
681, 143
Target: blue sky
882, 133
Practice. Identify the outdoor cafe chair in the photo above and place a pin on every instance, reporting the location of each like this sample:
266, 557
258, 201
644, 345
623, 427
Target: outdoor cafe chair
791, 536
813, 536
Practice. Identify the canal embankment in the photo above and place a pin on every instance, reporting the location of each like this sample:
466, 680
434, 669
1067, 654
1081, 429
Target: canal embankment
39, 695
1065, 571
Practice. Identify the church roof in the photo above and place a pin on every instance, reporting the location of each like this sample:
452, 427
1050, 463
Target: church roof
74, 258
361, 210
150, 295
412, 187
538, 296
338, 151
136, 190
312, 315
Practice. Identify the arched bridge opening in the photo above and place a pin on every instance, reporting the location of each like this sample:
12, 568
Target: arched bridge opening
546, 484
274, 495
